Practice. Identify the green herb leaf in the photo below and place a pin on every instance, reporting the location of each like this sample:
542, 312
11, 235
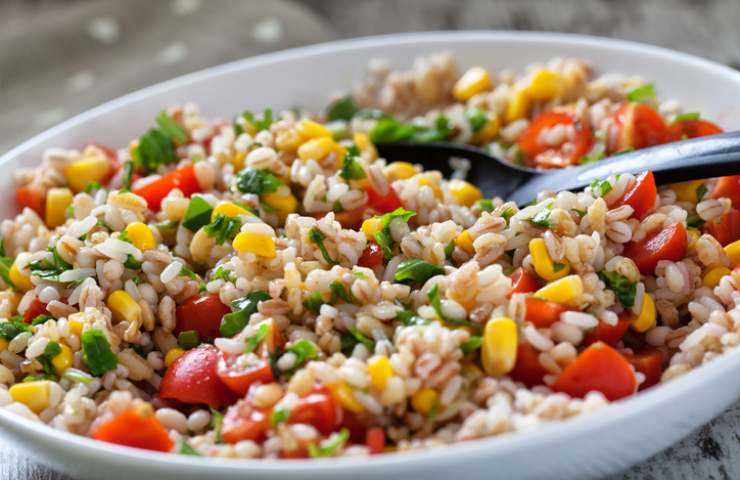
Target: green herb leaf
92, 186
52, 350
234, 322
155, 148
441, 130
330, 446
41, 319
383, 236
352, 338
683, 117
314, 302
389, 129
128, 174
279, 416
217, 420
643, 94
198, 214
601, 187
694, 221
132, 263
542, 218
416, 271
74, 375
252, 342
224, 274
5, 264
14, 326
485, 205
49, 268
258, 182
507, 213
188, 339
592, 157
304, 350
557, 266
317, 237
342, 109
624, 290
340, 292
580, 213
261, 122
701, 190
436, 302
352, 169
410, 318
473, 344
186, 449
223, 228
171, 128
477, 118
97, 353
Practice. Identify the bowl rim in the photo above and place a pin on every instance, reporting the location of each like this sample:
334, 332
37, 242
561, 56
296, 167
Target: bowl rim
559, 431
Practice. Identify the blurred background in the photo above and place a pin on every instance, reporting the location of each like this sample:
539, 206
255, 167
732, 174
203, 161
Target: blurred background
61, 57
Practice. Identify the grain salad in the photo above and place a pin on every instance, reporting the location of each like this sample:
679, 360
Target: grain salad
268, 287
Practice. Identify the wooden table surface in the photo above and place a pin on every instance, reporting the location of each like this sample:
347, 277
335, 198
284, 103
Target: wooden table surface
58, 58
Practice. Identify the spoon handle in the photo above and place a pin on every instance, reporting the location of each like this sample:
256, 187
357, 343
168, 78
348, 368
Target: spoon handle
704, 157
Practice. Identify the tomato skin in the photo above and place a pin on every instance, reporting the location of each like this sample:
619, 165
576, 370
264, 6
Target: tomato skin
649, 362
527, 368
642, 196
635, 126
183, 178
667, 244
543, 313
36, 308
522, 281
372, 256
692, 129
202, 314
244, 421
598, 368
318, 409
193, 378
134, 429
375, 440
357, 430
33, 197
610, 334
273, 340
728, 187
546, 156
383, 203
726, 228
239, 379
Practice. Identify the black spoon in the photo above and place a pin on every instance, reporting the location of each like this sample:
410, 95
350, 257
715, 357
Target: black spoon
704, 157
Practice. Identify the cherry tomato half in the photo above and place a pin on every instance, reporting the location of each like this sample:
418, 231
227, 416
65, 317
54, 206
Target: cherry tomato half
635, 126
193, 378
527, 368
372, 256
691, 129
728, 187
610, 334
33, 197
244, 421
649, 362
568, 152
522, 281
641, 197
202, 314
543, 313
183, 178
667, 244
318, 409
241, 371
383, 203
725, 228
598, 368
135, 429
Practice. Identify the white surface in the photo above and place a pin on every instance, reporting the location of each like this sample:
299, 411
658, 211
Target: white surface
619, 436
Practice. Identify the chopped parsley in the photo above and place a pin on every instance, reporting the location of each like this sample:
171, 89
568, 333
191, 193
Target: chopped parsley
352, 169
542, 218
473, 344
278, 416
486, 205
52, 350
49, 268
13, 327
74, 375
198, 214
261, 122
624, 290
416, 271
330, 446
592, 157
317, 237
186, 449
97, 353
217, 420
352, 338
580, 213
224, 274
436, 302
5, 264
643, 94
157, 146
223, 228
128, 175
258, 182
383, 236
234, 322
507, 213
92, 187
252, 342
557, 266
409, 318
304, 350
477, 118
694, 221
389, 129
342, 109
600, 187
41, 319
314, 302
683, 117
171, 128
340, 292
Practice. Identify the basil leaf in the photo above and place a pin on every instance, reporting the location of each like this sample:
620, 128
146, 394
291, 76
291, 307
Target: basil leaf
383, 236
97, 353
624, 290
416, 271
352, 169
155, 148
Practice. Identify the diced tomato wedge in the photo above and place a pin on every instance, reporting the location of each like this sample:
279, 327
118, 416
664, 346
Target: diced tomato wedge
641, 197
239, 373
649, 362
692, 129
33, 197
610, 334
375, 440
543, 313
728, 187
372, 256
383, 203
569, 152
244, 421
527, 368
318, 409
193, 378
202, 314
725, 228
183, 178
598, 368
36, 308
522, 281
635, 126
134, 428
667, 244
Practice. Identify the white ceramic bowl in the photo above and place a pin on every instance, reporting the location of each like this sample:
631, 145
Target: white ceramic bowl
617, 437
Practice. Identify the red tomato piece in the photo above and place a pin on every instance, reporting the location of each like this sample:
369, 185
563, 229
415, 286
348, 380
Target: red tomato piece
667, 244
635, 126
383, 203
36, 308
543, 313
239, 373
357, 430
134, 428
649, 362
598, 368
692, 129
725, 228
202, 314
318, 409
33, 197
273, 340
351, 219
375, 440
527, 368
183, 178
244, 421
728, 187
372, 256
522, 281
610, 334
193, 378
569, 152
641, 197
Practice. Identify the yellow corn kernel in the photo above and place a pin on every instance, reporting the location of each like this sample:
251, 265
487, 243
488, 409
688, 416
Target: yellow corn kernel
733, 251
3, 344
343, 394
370, 227
546, 84
262, 245
63, 360
464, 192
425, 400
288, 140
686, 191
646, 319
283, 205
316, 148
76, 323
693, 235
475, 80
309, 129
500, 342
124, 307
92, 167
380, 370
362, 140
399, 171
564, 290
339, 152
424, 181
543, 264
465, 241
239, 160
35, 395
488, 132
713, 276
173, 355
229, 209
57, 201
19, 279
518, 106
141, 236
